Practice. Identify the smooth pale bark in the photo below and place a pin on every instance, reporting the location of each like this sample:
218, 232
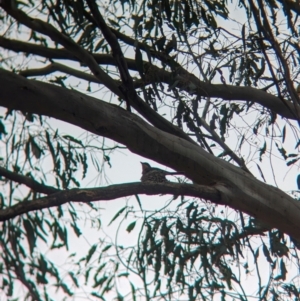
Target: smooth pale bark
237, 188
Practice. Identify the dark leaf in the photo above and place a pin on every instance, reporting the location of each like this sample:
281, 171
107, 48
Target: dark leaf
74, 279
131, 226
117, 214
267, 253
262, 151
36, 150
298, 181
70, 138
90, 253
30, 234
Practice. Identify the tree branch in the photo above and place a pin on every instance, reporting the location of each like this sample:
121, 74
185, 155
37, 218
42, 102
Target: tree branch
226, 148
243, 191
84, 56
30, 48
111, 193
29, 182
155, 74
267, 30
60, 53
128, 88
193, 85
53, 67
50, 31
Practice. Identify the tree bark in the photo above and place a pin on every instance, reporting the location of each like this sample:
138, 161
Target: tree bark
237, 188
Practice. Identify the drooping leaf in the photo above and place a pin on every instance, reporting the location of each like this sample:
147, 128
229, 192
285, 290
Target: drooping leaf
262, 151
30, 234
117, 214
91, 253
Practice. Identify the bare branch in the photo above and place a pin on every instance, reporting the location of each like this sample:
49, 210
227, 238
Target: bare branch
29, 182
30, 48
62, 68
110, 193
60, 53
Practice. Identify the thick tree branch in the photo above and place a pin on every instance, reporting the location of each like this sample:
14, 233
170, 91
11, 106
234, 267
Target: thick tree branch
243, 191
111, 193
29, 182
193, 85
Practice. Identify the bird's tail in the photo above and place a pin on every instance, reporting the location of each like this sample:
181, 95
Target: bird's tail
175, 173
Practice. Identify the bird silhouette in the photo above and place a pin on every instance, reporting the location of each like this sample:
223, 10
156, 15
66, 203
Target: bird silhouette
153, 174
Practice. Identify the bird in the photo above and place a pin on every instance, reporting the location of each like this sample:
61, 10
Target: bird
153, 174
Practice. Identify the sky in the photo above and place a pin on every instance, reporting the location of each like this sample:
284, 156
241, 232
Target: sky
126, 168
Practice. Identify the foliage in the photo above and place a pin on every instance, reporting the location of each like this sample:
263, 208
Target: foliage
191, 62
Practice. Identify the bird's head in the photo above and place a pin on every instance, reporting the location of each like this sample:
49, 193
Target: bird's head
145, 167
